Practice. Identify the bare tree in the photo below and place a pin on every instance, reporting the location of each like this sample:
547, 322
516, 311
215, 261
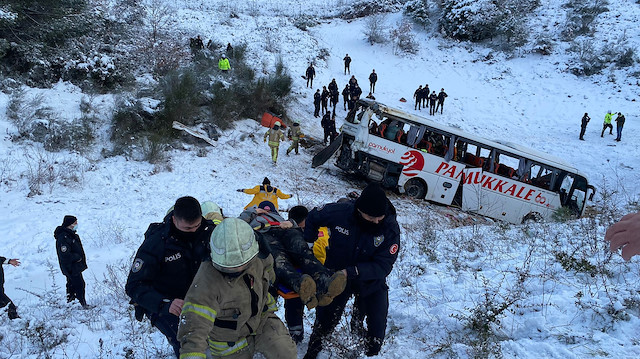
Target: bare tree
158, 17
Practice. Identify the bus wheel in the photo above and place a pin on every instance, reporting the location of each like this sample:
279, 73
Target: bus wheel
532, 217
415, 188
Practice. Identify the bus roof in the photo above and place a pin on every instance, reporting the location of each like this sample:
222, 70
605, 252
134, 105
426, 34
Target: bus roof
505, 146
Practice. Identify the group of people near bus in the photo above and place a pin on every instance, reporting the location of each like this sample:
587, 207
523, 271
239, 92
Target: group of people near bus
608, 117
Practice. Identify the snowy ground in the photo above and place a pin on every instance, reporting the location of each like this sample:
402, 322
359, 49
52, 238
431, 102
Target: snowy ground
445, 275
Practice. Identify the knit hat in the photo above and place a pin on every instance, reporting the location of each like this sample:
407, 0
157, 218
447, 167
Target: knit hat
373, 201
268, 206
266, 181
233, 244
68, 220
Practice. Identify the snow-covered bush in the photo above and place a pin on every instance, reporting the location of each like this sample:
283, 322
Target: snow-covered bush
368, 8
479, 20
374, 29
403, 38
418, 11
581, 17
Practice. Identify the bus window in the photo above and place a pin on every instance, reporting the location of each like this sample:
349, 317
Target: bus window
394, 131
541, 176
506, 165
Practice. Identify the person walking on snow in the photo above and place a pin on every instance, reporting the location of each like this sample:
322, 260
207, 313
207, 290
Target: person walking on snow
347, 64
417, 95
364, 244
324, 99
345, 96
165, 265
275, 136
607, 123
619, 125
229, 311
264, 192
12, 311
223, 64
432, 103
309, 75
373, 77
294, 135
441, 96
583, 126
317, 98
71, 258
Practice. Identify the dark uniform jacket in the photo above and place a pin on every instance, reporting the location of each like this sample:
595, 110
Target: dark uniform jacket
311, 72
70, 252
373, 77
2, 259
165, 266
373, 253
441, 96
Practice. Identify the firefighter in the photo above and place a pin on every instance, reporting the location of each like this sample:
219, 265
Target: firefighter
364, 242
275, 136
228, 310
295, 133
264, 192
166, 264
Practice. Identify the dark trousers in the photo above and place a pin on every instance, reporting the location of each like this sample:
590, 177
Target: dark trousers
582, 130
604, 128
309, 81
374, 307
372, 87
290, 250
344, 103
418, 103
316, 109
75, 288
440, 105
294, 315
347, 69
167, 324
432, 108
12, 311
619, 132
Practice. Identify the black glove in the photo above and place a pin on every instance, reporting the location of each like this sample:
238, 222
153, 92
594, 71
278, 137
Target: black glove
240, 190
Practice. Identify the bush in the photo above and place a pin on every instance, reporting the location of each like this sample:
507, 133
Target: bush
368, 8
403, 38
374, 29
488, 19
418, 11
581, 16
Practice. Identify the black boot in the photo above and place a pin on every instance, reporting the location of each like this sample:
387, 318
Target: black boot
12, 312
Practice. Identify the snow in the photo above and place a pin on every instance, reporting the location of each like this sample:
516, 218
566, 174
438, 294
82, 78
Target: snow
443, 271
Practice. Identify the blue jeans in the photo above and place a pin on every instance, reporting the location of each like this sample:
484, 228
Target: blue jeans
619, 130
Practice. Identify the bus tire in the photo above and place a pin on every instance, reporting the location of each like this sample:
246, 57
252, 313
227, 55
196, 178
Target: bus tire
415, 188
532, 217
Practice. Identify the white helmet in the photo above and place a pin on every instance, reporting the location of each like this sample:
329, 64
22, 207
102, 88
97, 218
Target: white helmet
233, 244
212, 211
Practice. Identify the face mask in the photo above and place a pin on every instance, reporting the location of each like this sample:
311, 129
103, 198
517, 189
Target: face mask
75, 228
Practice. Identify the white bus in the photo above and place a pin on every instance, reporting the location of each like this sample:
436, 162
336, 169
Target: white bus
446, 165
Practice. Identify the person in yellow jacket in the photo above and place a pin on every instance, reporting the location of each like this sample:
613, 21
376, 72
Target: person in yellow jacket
264, 192
275, 136
294, 135
228, 311
607, 123
223, 63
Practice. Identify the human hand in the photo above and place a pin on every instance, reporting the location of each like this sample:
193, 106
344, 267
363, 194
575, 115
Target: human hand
14, 262
626, 235
261, 211
176, 307
286, 224
240, 190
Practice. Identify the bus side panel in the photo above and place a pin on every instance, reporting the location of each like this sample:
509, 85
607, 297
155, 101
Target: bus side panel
506, 199
471, 193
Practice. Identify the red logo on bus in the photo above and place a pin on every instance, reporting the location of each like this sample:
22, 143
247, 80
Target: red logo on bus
413, 163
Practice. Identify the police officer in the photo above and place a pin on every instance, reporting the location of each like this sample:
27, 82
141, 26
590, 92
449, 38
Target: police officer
166, 264
71, 258
229, 311
364, 244
12, 311
583, 125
